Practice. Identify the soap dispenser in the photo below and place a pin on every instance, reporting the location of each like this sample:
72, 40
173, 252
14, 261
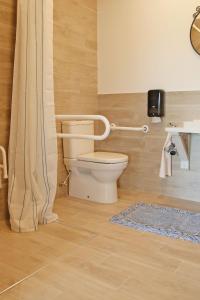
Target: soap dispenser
156, 105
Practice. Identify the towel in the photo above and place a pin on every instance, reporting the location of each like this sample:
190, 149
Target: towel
166, 159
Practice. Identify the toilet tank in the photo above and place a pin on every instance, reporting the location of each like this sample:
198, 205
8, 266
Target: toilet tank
74, 147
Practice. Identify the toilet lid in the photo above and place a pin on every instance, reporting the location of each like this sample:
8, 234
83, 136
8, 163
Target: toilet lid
104, 157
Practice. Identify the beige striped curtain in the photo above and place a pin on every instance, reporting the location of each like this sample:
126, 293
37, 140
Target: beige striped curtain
33, 148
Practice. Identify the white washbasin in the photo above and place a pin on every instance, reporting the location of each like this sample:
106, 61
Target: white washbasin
181, 143
182, 130
188, 127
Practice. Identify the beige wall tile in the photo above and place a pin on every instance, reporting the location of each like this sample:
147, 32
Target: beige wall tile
75, 63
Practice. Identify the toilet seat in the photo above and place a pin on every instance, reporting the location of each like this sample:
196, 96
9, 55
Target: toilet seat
103, 157
90, 165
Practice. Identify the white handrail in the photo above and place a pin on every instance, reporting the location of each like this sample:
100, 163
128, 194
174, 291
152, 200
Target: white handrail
85, 136
4, 165
144, 128
108, 127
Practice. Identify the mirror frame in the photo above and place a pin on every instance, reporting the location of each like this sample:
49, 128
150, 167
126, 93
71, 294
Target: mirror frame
196, 15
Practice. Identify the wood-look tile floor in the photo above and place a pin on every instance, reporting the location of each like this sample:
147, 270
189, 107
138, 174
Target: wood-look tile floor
85, 257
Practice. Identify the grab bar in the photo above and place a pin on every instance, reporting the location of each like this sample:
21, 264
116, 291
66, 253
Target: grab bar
4, 165
108, 127
85, 136
144, 128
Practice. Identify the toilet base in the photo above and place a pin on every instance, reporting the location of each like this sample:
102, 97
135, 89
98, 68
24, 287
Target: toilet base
88, 188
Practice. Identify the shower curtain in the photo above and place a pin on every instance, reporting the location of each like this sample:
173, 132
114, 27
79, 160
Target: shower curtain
32, 147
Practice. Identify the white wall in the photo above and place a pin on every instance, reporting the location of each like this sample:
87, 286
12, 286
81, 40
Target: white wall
145, 45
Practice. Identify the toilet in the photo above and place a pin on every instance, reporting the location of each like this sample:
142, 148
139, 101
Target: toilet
93, 175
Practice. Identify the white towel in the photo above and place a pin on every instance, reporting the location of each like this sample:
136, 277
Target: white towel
166, 160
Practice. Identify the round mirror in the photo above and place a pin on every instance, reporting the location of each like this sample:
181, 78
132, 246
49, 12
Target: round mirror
195, 32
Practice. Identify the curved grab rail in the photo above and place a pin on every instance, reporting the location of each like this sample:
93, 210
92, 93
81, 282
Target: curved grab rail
85, 136
4, 165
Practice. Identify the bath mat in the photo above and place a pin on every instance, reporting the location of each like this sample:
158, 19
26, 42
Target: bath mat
162, 220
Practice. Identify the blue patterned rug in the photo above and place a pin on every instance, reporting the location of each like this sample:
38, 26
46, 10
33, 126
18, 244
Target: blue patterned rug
165, 221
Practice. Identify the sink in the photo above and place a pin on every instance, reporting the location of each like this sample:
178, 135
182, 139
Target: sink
188, 127
182, 130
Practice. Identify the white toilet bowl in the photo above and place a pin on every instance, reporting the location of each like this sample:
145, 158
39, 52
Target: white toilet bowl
94, 176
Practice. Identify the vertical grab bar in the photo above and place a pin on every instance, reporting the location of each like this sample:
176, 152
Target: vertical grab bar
85, 136
4, 165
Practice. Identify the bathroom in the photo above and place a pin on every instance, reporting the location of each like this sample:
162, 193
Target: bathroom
105, 60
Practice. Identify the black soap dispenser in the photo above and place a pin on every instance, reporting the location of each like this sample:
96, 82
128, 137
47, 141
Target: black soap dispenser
156, 105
